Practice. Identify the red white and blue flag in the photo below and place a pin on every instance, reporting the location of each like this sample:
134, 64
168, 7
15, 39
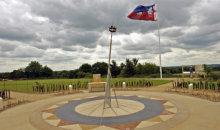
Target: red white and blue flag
144, 13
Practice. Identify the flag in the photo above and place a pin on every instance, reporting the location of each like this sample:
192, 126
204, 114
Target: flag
144, 13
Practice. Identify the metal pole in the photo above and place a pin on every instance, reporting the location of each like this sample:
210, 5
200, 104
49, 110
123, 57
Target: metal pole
114, 91
109, 59
107, 100
158, 25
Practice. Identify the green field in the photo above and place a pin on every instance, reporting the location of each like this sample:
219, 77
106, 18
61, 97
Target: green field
27, 85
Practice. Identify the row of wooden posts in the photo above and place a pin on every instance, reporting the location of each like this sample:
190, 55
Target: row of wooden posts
5, 94
136, 83
47, 88
197, 85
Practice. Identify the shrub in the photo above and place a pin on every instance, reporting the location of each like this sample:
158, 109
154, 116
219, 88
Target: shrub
81, 74
88, 75
218, 82
214, 75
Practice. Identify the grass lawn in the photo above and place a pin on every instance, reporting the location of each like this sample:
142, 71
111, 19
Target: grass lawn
26, 85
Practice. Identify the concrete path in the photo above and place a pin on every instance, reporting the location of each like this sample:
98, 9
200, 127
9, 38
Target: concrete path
202, 114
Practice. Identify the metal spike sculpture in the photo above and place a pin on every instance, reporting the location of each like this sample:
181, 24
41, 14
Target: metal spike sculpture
107, 100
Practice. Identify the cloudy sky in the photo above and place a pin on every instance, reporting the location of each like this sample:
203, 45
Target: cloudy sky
64, 34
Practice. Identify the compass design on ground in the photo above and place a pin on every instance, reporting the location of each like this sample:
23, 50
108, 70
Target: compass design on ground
88, 113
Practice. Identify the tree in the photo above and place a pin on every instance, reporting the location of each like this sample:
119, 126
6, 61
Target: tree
47, 72
63, 74
138, 68
5, 75
175, 70
33, 70
100, 68
73, 73
207, 69
115, 70
20, 73
166, 70
128, 70
87, 68
135, 61
81, 74
150, 68
13, 74
122, 65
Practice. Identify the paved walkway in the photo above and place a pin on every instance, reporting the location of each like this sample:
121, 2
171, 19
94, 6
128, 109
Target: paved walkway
198, 114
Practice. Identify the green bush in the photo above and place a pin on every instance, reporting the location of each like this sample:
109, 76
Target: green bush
81, 74
88, 75
218, 82
214, 75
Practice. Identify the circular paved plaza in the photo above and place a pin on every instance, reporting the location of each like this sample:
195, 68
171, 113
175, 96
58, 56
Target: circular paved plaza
132, 112
136, 110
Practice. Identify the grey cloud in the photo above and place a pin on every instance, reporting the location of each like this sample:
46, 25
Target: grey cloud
207, 10
67, 48
5, 46
17, 34
57, 57
40, 45
106, 42
56, 31
25, 52
146, 45
69, 38
174, 13
16, 23
126, 52
172, 33
61, 58
91, 15
87, 39
204, 36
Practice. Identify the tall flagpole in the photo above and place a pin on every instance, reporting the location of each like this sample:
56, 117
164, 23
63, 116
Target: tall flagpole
158, 26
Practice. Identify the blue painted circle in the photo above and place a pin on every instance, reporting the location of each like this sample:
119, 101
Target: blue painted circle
67, 112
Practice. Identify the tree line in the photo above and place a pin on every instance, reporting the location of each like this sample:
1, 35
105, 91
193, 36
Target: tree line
130, 68
127, 69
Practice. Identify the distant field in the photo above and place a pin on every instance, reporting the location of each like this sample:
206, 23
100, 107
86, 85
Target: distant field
26, 85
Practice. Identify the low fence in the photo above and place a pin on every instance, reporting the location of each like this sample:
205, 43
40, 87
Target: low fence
134, 83
33, 86
199, 85
49, 86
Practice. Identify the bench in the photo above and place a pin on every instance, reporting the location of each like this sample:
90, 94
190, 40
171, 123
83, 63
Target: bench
97, 86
